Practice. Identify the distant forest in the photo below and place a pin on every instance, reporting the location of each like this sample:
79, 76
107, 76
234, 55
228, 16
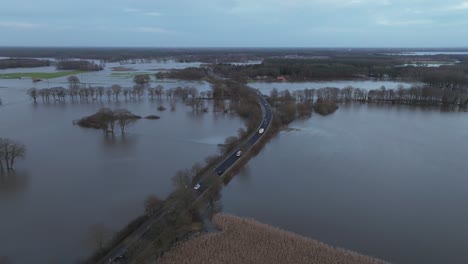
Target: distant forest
349, 67
206, 55
23, 63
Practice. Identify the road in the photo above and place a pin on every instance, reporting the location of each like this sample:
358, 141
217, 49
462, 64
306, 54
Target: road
232, 158
220, 169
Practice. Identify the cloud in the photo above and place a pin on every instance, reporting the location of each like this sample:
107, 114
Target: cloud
17, 25
139, 11
131, 10
402, 22
461, 6
151, 30
256, 7
152, 13
333, 30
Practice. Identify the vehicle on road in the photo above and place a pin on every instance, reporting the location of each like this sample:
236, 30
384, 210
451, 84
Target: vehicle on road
197, 186
239, 153
261, 131
220, 172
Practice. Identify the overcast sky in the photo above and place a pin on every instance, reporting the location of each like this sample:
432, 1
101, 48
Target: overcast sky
235, 23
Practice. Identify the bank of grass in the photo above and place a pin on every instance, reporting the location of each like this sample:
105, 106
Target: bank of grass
38, 75
247, 241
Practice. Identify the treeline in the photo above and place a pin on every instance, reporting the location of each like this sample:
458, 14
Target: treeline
78, 65
325, 99
344, 67
10, 151
23, 63
138, 54
190, 73
114, 92
308, 69
453, 77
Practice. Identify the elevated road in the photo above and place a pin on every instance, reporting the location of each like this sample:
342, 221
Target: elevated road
230, 159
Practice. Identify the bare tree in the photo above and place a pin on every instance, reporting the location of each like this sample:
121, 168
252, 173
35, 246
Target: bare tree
100, 91
159, 91
116, 90
109, 93
10, 151
182, 179
73, 81
33, 92
196, 168
211, 159
124, 118
151, 92
107, 118
228, 145
152, 204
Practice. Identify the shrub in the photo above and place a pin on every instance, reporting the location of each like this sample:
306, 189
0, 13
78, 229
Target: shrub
325, 107
152, 117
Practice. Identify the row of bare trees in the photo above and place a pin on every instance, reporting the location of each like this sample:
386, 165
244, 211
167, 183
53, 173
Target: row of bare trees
114, 92
414, 95
10, 151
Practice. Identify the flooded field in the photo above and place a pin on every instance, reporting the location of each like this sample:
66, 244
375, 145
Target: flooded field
73, 177
384, 181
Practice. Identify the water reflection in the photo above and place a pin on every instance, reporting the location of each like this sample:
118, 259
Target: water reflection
245, 174
388, 181
115, 173
124, 143
13, 181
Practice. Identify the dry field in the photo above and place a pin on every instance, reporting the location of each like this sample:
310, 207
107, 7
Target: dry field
247, 241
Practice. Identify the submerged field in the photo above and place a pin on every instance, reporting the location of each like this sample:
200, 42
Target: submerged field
122, 74
247, 241
38, 75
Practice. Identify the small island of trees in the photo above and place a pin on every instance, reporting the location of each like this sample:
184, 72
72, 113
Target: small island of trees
10, 151
106, 119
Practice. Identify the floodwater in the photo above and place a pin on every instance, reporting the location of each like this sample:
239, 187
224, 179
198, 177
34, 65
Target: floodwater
106, 77
74, 177
387, 181
266, 87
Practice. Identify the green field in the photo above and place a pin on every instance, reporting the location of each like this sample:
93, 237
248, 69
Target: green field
38, 75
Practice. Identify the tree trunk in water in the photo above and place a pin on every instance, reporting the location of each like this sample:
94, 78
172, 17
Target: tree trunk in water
7, 163
11, 162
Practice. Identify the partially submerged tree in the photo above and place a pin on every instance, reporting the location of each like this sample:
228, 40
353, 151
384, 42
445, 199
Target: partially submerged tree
105, 119
73, 81
33, 93
106, 116
124, 118
9, 152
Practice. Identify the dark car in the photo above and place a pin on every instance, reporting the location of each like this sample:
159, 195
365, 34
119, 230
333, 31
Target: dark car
220, 172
